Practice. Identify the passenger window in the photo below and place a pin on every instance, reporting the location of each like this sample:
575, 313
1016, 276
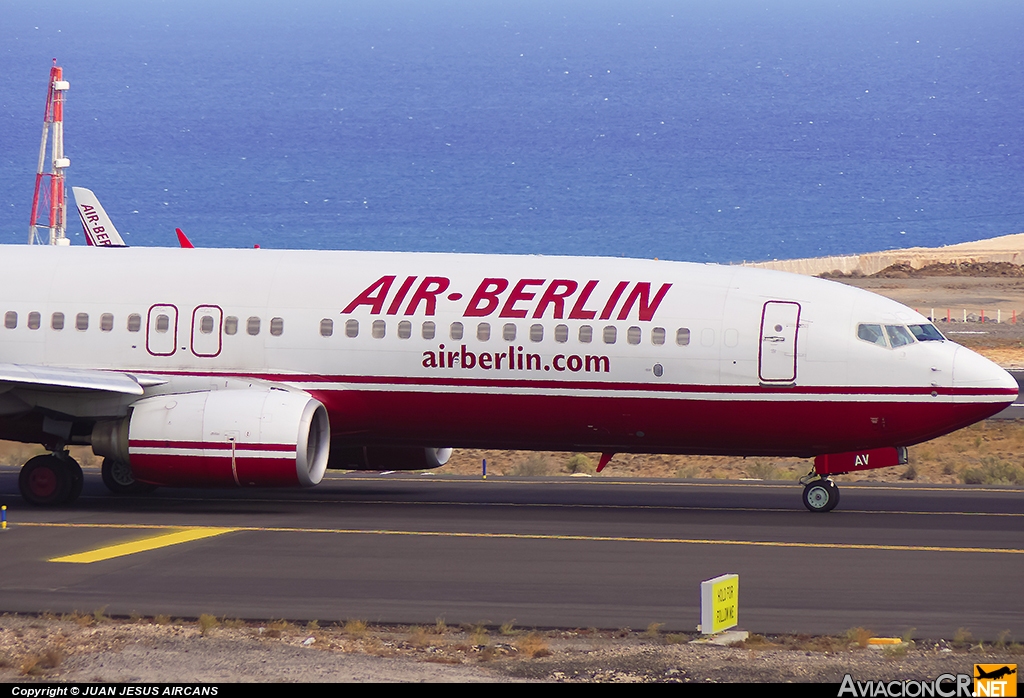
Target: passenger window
633, 335
683, 336
658, 336
57, 321
707, 337
731, 337
871, 334
377, 329
508, 332
326, 327
206, 324
898, 335
455, 331
252, 326
277, 326
561, 333
610, 333
352, 328
536, 333
11, 320
106, 322
586, 334
163, 323
230, 325
135, 323
404, 329
33, 320
483, 331
429, 329
82, 321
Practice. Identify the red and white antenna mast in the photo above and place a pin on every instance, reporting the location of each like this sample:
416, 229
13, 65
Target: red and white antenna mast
50, 185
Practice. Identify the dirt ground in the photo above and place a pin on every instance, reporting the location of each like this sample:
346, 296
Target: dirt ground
91, 647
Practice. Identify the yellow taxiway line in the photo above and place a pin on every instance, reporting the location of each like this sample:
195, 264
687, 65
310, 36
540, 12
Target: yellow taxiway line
139, 546
195, 533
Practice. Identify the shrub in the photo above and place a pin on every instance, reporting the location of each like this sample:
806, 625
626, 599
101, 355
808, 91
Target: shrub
762, 470
535, 466
207, 622
579, 463
993, 471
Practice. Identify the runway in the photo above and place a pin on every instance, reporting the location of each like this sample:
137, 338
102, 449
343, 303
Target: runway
554, 552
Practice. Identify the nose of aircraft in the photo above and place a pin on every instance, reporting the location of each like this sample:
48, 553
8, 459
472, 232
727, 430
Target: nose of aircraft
971, 370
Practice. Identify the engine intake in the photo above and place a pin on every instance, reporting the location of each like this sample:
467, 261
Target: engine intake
221, 438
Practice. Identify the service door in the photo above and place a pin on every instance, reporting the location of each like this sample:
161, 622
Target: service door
206, 330
776, 360
162, 330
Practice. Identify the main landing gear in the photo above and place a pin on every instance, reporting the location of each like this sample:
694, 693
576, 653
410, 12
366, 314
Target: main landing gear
820, 493
118, 478
51, 480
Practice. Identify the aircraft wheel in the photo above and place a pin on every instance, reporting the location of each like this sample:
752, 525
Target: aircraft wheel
821, 495
77, 479
118, 478
46, 481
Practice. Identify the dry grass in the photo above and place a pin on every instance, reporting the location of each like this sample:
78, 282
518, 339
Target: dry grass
478, 634
355, 628
976, 452
962, 638
859, 636
533, 645
207, 623
654, 631
36, 664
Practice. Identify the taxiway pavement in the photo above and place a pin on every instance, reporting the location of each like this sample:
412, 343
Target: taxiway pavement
551, 552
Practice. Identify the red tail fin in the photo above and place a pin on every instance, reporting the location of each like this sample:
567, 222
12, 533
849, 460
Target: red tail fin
182, 240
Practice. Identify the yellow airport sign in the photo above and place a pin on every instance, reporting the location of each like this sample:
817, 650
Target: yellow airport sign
719, 603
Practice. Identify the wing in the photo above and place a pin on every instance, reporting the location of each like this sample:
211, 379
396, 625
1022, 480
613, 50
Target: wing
70, 392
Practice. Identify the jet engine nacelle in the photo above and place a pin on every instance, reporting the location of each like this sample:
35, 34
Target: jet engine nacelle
221, 438
389, 458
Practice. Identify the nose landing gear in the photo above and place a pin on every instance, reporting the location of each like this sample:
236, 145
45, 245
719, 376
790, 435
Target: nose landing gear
820, 494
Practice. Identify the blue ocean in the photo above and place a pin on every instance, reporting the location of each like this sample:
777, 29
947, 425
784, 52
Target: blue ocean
705, 131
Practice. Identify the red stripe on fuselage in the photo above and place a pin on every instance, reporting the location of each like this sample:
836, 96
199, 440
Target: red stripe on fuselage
608, 385
806, 423
213, 471
638, 425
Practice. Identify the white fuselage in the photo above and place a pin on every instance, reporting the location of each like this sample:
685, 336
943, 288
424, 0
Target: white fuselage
499, 351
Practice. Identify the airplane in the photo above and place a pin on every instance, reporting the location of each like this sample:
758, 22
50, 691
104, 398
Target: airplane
96, 224
994, 674
262, 368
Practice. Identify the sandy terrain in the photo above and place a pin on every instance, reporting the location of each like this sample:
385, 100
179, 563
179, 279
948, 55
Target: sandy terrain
94, 648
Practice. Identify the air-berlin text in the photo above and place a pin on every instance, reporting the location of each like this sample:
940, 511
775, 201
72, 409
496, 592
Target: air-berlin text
91, 218
515, 359
515, 298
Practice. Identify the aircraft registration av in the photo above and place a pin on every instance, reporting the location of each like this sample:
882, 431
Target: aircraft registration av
262, 368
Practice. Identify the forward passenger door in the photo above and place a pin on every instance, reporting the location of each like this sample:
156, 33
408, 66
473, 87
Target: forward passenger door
777, 356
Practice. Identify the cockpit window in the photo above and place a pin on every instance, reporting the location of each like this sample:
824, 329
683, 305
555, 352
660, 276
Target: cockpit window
926, 333
898, 335
872, 334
